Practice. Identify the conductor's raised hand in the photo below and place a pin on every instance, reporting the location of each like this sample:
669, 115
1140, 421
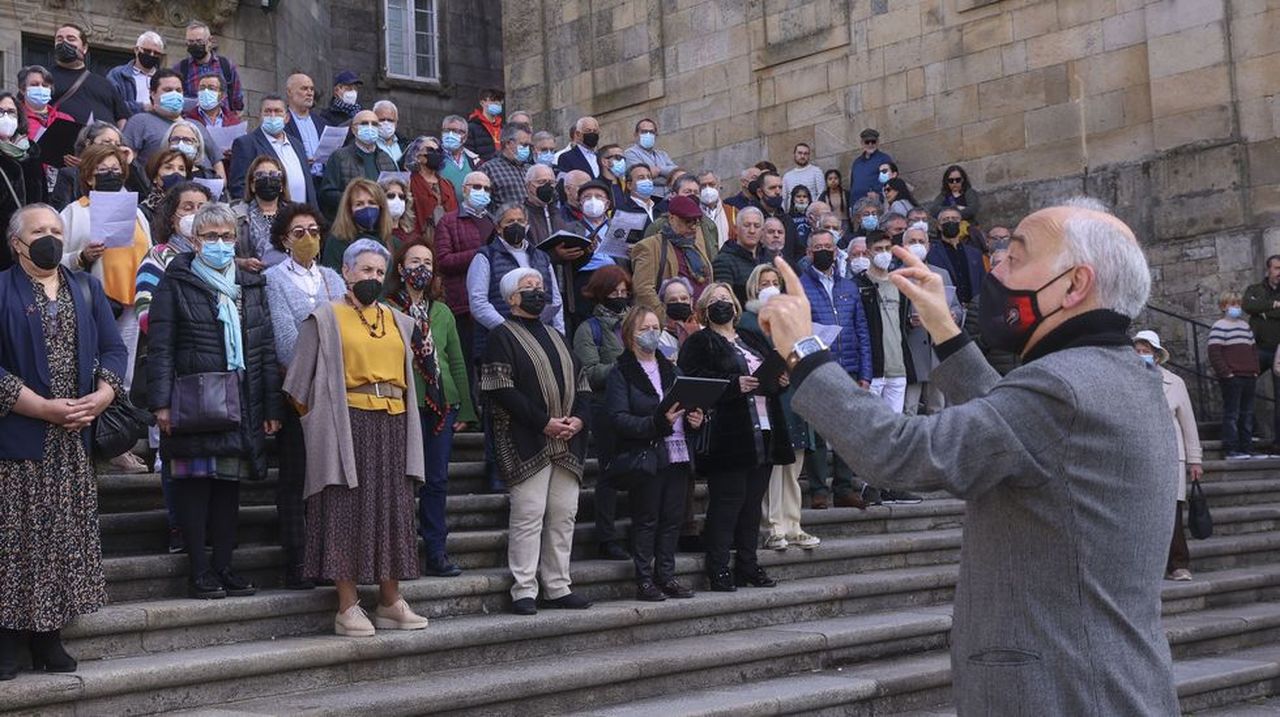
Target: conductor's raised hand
927, 292
785, 317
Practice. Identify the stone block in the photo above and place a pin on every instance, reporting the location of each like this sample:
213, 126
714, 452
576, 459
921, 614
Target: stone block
973, 69
904, 55
738, 129
1264, 162
1137, 104
1255, 35
1063, 45
1131, 143
1057, 84
1104, 113
912, 119
1234, 252
1109, 71
808, 109
1206, 124
1258, 76
803, 82
986, 33
1039, 18
935, 77
915, 83
994, 136
1123, 30
1190, 90
1186, 50
1199, 214
1165, 17
1009, 94
958, 107
1265, 202
1079, 12
1013, 58
1259, 118
893, 26
1196, 171
1048, 161
1054, 124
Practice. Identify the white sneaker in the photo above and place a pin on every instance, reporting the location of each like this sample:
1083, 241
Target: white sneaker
353, 622
1181, 575
127, 463
398, 617
775, 542
804, 540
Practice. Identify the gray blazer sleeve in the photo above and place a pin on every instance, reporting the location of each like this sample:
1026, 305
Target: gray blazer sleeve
282, 324
965, 375
1014, 432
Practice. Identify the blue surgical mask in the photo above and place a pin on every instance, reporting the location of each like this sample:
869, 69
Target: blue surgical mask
171, 101
1234, 312
547, 158
644, 187
884, 177
217, 254
208, 99
648, 139
187, 148
451, 141
273, 125
39, 96
367, 134
618, 167
367, 217
1149, 359
522, 153
493, 108
478, 198
871, 222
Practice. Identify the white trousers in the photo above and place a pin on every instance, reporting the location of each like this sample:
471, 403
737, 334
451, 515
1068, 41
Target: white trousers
540, 533
782, 501
892, 390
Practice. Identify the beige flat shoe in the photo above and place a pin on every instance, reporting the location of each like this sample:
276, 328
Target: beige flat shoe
353, 622
398, 617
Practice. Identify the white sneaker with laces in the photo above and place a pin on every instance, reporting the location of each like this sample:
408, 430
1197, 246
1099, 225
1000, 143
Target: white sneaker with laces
353, 622
775, 542
398, 617
804, 540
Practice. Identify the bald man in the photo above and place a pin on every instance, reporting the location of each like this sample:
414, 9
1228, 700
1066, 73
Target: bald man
360, 158
581, 152
1065, 465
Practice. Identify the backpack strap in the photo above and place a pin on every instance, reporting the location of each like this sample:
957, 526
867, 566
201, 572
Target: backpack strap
597, 331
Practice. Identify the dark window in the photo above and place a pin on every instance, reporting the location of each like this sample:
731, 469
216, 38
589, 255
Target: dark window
39, 51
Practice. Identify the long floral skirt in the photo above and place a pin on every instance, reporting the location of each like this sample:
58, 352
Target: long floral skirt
367, 533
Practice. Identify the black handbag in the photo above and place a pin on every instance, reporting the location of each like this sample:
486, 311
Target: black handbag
1199, 521
628, 468
205, 402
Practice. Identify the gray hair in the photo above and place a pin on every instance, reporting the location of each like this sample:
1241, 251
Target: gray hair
150, 36
196, 25
816, 232
580, 122
541, 135
360, 247
18, 218
537, 169
867, 202
682, 180
510, 206
662, 290
195, 129
411, 152
93, 131
509, 132
890, 216
30, 70
510, 282
450, 119
1121, 273
915, 229
706, 173
744, 212
213, 214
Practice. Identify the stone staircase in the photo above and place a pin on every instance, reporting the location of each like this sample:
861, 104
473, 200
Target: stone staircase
858, 626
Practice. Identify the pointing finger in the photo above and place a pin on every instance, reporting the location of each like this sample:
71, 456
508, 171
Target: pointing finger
907, 258
789, 278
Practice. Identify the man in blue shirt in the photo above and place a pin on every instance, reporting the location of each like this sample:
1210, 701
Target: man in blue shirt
864, 175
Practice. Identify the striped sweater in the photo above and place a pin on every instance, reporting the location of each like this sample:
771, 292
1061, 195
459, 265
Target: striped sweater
150, 271
1231, 350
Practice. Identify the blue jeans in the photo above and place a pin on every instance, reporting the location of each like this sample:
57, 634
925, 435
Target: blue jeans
435, 489
1237, 413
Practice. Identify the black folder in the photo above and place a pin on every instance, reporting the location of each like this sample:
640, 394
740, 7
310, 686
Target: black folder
58, 139
693, 393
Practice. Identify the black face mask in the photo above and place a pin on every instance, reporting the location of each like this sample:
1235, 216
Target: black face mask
546, 193
533, 301
45, 252
773, 202
65, 52
823, 259
197, 51
616, 304
367, 291
679, 310
268, 188
720, 312
149, 62
514, 234
435, 160
950, 230
1007, 317
169, 181
591, 139
108, 182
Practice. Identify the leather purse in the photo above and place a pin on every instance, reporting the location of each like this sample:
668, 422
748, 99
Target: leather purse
1199, 520
205, 402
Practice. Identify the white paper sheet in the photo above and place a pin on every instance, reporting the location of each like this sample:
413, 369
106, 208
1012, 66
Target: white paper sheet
112, 218
826, 332
223, 137
214, 185
613, 242
330, 141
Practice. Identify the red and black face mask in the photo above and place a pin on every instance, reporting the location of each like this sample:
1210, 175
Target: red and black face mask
1007, 317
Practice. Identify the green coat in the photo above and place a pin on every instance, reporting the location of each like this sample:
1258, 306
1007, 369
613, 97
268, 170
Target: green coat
453, 369
597, 360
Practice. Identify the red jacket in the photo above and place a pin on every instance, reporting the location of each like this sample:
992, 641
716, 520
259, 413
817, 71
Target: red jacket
458, 238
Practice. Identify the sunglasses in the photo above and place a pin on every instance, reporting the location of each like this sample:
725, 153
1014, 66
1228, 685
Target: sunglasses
955, 180
299, 232
268, 175
870, 141
395, 195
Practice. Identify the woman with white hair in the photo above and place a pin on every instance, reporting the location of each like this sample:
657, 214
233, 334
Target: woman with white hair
349, 380
214, 386
187, 137
539, 400
1147, 344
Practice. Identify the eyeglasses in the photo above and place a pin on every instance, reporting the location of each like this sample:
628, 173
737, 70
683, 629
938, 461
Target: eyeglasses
395, 195
224, 237
8, 113
299, 232
955, 180
268, 175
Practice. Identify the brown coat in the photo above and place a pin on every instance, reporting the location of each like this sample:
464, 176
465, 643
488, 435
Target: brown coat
646, 276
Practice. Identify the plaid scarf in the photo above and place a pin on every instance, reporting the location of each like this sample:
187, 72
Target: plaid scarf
425, 360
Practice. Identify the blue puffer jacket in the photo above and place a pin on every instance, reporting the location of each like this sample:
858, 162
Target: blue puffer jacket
852, 347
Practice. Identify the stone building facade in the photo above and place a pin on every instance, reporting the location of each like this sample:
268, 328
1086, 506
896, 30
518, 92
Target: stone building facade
319, 37
1166, 109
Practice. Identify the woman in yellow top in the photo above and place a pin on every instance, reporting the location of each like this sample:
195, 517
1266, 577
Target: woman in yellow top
105, 168
349, 380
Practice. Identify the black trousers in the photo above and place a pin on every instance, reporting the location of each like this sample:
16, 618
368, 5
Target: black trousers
606, 493
1179, 554
733, 517
657, 510
212, 502
290, 511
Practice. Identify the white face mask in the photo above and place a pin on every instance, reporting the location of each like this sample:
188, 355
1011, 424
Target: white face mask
396, 207
710, 196
350, 97
882, 260
186, 225
593, 207
919, 250
767, 293
8, 125
859, 264
386, 130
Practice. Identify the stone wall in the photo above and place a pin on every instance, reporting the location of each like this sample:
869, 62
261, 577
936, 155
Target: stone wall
1166, 109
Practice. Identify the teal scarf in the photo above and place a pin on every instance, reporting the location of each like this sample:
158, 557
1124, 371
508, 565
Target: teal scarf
224, 282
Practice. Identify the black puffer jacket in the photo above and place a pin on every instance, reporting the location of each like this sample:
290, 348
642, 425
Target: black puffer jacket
632, 404
735, 441
185, 338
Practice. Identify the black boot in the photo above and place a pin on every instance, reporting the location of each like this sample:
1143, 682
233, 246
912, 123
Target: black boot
10, 640
48, 654
294, 574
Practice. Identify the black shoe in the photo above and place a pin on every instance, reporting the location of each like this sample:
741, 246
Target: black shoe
206, 587
234, 585
10, 640
295, 580
441, 568
612, 551
524, 606
757, 578
673, 589
692, 544
176, 542
722, 582
871, 495
48, 654
649, 592
572, 601
899, 497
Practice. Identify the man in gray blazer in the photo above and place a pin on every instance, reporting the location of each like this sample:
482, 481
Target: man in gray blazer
1057, 611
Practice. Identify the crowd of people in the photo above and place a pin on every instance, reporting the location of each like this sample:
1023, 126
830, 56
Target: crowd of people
355, 310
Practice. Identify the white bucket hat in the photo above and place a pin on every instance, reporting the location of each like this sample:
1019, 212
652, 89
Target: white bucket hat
1152, 338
